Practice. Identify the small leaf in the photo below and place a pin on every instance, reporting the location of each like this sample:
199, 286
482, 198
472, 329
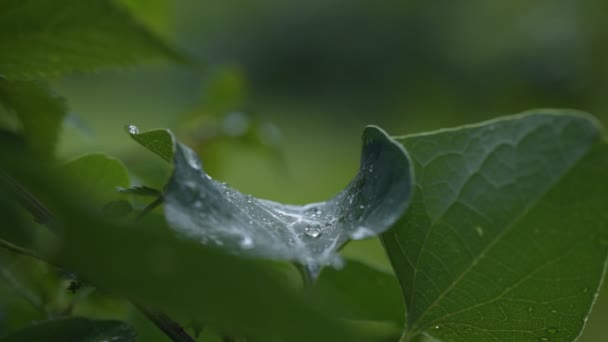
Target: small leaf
210, 212
39, 111
503, 240
160, 141
41, 38
96, 176
74, 329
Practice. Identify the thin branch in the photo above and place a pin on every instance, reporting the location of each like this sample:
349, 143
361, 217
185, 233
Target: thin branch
158, 201
171, 328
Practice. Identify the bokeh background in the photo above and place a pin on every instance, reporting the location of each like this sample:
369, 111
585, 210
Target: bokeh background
281, 90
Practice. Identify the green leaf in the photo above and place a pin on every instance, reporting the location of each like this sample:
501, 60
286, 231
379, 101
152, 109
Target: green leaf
212, 213
505, 239
74, 329
152, 266
360, 292
48, 38
96, 176
160, 141
40, 112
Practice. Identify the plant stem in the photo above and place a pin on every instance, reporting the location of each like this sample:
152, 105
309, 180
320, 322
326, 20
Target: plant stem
171, 328
158, 201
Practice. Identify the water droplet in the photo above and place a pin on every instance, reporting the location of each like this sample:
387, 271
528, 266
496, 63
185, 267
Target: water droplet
190, 186
132, 129
193, 160
552, 330
436, 327
246, 242
371, 168
361, 233
361, 206
479, 231
312, 232
544, 339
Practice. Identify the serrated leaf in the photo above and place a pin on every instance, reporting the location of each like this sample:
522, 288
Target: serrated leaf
210, 212
74, 329
46, 38
141, 191
95, 177
505, 239
39, 111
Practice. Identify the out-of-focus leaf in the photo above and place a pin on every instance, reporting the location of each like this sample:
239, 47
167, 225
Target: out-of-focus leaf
212, 213
506, 239
47, 38
120, 208
149, 264
360, 292
74, 329
39, 111
158, 15
96, 177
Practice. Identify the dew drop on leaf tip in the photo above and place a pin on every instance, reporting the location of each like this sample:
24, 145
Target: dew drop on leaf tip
132, 129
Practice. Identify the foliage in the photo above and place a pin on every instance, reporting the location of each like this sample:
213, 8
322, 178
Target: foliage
496, 231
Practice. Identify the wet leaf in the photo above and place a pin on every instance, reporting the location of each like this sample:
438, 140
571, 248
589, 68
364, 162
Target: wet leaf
503, 240
210, 212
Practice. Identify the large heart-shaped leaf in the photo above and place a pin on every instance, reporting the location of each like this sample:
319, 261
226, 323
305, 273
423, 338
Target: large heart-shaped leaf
505, 239
212, 213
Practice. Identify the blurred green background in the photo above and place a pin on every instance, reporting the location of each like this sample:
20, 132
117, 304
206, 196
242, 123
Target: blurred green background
284, 88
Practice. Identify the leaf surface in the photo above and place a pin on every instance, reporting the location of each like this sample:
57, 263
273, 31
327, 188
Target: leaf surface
505, 239
210, 212
96, 176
